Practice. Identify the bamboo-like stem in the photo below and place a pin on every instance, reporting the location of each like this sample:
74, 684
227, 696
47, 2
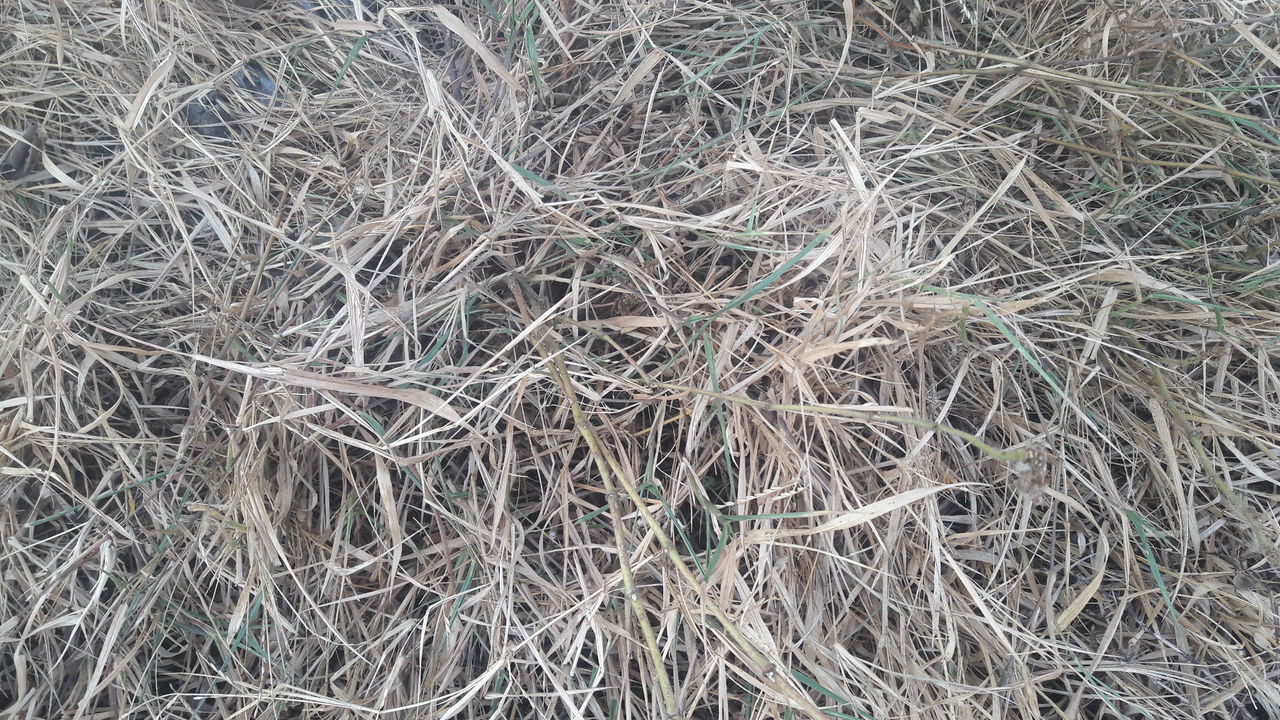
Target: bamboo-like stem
606, 465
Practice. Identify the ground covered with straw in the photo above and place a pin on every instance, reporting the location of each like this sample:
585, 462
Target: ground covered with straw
549, 359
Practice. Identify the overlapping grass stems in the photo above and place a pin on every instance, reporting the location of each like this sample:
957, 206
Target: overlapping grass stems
572, 360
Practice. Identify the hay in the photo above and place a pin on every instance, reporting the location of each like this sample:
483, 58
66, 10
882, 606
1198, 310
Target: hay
558, 360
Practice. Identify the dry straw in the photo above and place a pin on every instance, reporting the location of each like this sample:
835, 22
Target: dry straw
547, 359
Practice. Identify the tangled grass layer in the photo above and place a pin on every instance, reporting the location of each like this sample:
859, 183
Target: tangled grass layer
545, 359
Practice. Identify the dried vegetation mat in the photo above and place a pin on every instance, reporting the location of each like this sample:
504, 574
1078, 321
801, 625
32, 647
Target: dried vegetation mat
550, 359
